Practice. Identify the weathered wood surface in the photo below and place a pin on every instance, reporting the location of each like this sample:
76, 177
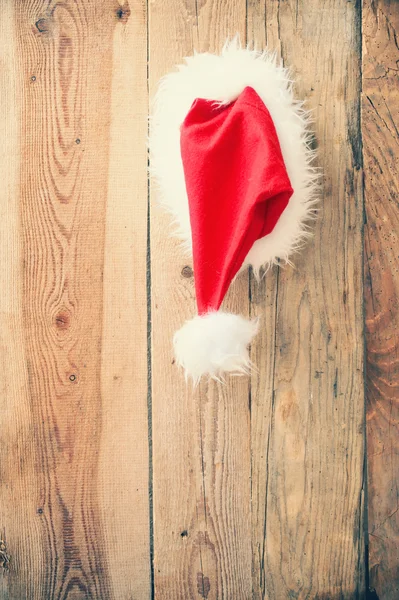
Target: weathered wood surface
250, 490
380, 119
307, 399
73, 435
305, 415
201, 440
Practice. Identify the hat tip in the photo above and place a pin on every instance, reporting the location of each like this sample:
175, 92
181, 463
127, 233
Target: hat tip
214, 344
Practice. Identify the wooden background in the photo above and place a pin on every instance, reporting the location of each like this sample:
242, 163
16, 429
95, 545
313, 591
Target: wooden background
117, 481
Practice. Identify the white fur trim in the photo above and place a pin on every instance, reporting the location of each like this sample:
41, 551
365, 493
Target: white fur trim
222, 78
213, 344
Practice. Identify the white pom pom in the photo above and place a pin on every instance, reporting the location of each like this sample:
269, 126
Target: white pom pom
214, 344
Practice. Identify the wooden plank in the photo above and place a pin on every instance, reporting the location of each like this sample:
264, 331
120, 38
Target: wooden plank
18, 496
263, 305
201, 441
307, 400
123, 463
380, 116
61, 334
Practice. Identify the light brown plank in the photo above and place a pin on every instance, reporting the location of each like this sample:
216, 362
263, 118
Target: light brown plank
201, 441
307, 400
380, 117
260, 21
67, 70
18, 495
123, 463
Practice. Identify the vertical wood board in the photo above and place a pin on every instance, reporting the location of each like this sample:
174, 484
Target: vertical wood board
380, 117
307, 396
68, 68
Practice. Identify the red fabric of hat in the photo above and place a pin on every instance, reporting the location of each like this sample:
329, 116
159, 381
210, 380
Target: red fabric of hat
237, 187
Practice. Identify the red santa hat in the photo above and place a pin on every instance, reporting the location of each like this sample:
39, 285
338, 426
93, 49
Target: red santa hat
230, 152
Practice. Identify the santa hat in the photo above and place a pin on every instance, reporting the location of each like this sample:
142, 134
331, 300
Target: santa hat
230, 153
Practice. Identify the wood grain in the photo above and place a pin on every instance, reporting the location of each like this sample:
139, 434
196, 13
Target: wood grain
201, 440
380, 116
257, 487
263, 294
307, 397
123, 463
18, 496
74, 383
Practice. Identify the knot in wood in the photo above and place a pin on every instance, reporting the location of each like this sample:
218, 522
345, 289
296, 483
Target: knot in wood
62, 320
123, 13
187, 272
42, 26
